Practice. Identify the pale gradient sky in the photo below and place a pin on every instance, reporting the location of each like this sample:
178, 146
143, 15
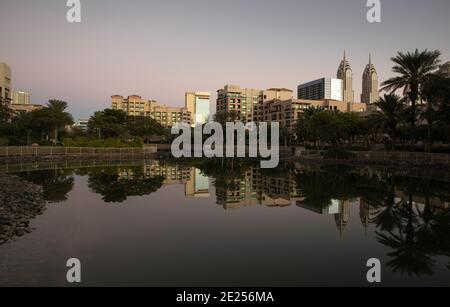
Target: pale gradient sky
161, 48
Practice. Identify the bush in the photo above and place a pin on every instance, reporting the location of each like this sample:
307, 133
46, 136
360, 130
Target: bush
339, 153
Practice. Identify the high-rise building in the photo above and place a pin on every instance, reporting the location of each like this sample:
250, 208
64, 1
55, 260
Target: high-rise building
136, 106
444, 70
5, 83
345, 73
370, 84
199, 105
20, 97
324, 88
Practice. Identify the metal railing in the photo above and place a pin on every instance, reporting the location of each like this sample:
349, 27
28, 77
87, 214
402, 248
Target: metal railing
41, 151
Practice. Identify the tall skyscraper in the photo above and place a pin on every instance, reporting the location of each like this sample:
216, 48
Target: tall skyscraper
370, 84
21, 97
5, 83
199, 104
325, 88
345, 73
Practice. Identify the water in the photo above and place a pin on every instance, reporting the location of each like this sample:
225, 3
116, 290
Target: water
162, 224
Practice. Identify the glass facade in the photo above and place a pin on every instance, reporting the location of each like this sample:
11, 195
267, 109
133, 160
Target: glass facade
202, 110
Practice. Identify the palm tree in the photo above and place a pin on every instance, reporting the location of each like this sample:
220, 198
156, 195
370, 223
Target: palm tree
414, 68
57, 116
390, 115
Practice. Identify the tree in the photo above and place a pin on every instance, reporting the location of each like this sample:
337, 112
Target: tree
108, 124
5, 112
436, 92
53, 118
306, 129
391, 113
414, 68
144, 127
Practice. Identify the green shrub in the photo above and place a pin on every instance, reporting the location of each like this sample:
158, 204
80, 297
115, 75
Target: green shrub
339, 153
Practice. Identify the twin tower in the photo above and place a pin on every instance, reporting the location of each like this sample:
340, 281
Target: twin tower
369, 82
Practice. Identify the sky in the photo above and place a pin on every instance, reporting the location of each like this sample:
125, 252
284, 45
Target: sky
160, 49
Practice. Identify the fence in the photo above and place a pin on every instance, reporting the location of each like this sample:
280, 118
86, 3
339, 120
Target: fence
381, 157
38, 151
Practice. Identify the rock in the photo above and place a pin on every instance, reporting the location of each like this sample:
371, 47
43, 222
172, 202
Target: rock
20, 202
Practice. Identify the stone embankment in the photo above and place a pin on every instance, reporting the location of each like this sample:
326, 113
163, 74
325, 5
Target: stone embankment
20, 203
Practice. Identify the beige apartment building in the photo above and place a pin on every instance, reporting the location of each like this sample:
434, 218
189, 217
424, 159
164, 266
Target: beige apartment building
5, 83
246, 101
287, 112
26, 107
167, 116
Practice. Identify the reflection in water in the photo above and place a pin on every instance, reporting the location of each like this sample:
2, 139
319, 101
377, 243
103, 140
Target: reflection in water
116, 184
56, 183
409, 216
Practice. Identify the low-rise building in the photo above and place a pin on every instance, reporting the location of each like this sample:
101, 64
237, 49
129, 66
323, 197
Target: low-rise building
26, 107
287, 112
135, 105
82, 124
20, 97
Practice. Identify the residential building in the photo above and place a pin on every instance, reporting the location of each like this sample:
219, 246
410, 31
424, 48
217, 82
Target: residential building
199, 105
324, 88
370, 93
278, 93
345, 73
5, 83
287, 112
26, 107
20, 97
444, 70
82, 124
198, 184
246, 101
243, 101
167, 116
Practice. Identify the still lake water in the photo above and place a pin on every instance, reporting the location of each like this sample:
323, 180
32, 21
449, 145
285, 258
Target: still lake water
152, 223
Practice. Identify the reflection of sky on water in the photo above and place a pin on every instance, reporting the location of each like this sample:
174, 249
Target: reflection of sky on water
288, 228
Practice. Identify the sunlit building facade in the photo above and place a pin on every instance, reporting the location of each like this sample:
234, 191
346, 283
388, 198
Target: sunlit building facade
199, 105
136, 106
5, 83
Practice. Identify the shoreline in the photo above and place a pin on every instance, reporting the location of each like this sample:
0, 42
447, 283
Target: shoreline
20, 203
